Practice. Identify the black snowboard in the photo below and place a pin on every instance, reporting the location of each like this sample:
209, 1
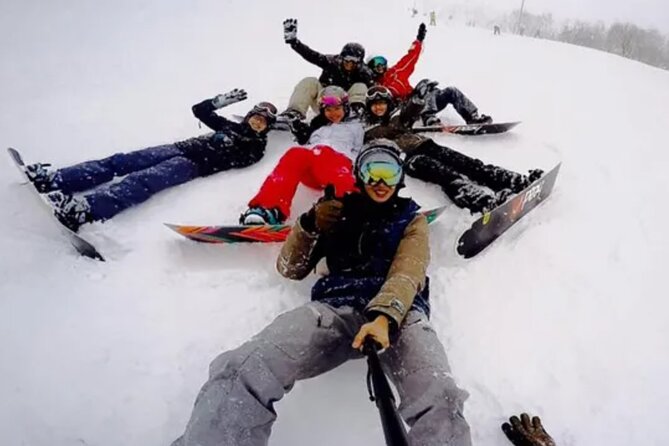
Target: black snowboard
492, 224
82, 246
470, 129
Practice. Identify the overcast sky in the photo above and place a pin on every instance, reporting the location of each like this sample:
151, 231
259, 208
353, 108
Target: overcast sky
648, 13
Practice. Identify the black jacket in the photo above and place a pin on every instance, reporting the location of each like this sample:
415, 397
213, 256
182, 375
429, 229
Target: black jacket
232, 145
333, 73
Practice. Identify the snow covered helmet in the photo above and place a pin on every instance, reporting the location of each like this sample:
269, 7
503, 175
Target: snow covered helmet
379, 160
379, 93
265, 109
352, 52
333, 95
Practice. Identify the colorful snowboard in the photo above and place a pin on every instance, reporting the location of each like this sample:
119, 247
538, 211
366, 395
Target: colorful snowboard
470, 129
254, 233
492, 224
82, 246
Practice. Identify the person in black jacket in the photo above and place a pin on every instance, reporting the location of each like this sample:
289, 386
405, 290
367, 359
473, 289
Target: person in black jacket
345, 70
150, 170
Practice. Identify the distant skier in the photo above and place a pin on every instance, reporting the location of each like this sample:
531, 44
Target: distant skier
497, 30
376, 246
329, 143
148, 171
467, 181
397, 80
346, 70
433, 18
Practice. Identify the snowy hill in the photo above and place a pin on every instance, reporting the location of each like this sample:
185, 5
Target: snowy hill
565, 316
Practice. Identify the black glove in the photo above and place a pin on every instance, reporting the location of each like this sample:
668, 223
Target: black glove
325, 214
228, 98
290, 30
424, 87
523, 432
422, 30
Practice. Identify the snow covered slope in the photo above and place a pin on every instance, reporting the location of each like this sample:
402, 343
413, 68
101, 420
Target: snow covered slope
565, 316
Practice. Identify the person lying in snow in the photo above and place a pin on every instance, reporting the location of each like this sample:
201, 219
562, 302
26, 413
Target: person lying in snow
346, 70
467, 181
148, 171
376, 248
328, 145
396, 79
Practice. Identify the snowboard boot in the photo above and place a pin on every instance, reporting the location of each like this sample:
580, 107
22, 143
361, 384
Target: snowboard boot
260, 216
518, 182
475, 118
71, 211
41, 177
430, 120
535, 174
472, 196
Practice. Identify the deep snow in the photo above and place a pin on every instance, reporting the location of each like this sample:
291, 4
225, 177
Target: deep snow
565, 316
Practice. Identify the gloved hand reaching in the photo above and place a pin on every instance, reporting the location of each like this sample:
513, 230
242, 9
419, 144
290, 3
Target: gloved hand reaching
424, 87
228, 98
290, 30
422, 30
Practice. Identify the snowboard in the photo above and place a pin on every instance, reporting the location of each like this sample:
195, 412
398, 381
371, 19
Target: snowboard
492, 224
255, 233
469, 129
82, 246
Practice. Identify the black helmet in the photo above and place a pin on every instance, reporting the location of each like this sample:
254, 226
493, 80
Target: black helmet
379, 151
376, 61
379, 93
265, 109
353, 52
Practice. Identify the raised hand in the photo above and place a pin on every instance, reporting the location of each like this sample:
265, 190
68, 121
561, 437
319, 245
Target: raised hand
422, 30
290, 30
231, 97
424, 87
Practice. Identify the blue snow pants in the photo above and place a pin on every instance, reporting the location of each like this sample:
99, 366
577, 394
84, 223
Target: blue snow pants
146, 172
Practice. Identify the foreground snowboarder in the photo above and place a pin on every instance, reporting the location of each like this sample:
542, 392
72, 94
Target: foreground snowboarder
467, 181
376, 248
329, 143
396, 79
148, 171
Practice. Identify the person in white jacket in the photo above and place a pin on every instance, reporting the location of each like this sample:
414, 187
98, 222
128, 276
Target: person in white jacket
328, 145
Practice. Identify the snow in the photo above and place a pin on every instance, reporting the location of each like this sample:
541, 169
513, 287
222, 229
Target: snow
565, 316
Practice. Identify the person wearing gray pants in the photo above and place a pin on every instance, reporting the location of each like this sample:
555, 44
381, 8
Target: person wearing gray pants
376, 247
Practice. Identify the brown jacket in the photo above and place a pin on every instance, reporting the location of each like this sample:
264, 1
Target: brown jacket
405, 278
398, 128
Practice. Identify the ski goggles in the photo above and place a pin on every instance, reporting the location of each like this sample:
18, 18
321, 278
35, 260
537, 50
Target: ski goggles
378, 61
378, 93
353, 59
265, 107
331, 101
373, 172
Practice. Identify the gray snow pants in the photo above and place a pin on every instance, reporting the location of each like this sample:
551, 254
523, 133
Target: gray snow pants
307, 91
235, 407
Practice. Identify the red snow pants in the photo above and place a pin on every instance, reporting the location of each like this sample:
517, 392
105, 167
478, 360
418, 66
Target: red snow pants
316, 168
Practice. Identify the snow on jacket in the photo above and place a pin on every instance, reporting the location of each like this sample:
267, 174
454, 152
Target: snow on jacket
377, 258
333, 73
396, 78
232, 145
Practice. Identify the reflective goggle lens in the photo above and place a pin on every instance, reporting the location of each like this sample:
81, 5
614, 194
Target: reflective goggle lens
379, 60
330, 101
351, 59
266, 107
376, 171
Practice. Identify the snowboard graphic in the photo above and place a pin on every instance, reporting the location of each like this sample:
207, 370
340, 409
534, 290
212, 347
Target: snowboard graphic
492, 224
470, 129
82, 246
254, 233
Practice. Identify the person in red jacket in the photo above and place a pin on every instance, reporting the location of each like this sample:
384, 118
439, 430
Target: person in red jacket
396, 79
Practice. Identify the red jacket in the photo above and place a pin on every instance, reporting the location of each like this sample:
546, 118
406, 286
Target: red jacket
396, 79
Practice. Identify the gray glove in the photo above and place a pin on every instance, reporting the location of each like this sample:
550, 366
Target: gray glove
222, 100
290, 30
